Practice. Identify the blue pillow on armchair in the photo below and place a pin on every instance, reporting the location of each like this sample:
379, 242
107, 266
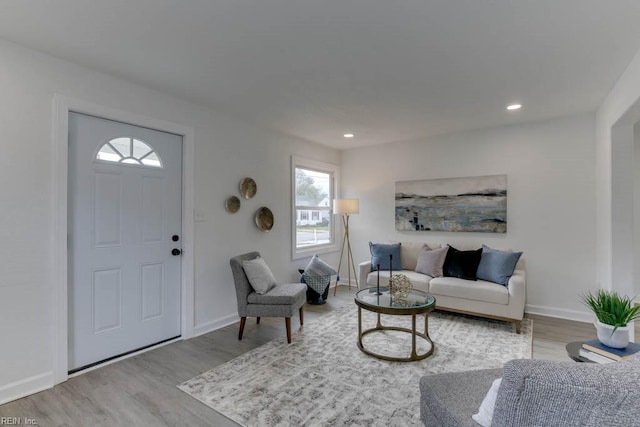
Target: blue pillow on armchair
380, 255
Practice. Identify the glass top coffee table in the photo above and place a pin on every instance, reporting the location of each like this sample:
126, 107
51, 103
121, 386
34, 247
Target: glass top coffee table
417, 302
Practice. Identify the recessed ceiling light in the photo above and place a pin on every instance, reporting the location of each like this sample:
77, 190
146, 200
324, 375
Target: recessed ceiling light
348, 135
514, 107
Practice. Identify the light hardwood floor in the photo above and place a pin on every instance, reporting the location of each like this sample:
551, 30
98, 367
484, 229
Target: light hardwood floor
141, 391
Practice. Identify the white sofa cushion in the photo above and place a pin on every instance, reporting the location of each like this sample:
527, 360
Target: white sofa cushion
409, 252
467, 289
418, 280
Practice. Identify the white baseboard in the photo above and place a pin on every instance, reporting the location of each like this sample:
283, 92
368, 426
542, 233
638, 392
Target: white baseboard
561, 313
25, 387
344, 282
215, 324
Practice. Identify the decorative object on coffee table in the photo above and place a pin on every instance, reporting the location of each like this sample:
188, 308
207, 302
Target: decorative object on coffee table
400, 285
613, 312
378, 281
345, 208
390, 273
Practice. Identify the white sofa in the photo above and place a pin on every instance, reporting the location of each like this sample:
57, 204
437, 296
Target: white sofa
480, 298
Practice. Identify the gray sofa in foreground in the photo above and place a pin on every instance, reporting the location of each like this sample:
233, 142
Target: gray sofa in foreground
537, 393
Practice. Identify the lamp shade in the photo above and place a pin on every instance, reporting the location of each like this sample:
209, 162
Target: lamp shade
346, 206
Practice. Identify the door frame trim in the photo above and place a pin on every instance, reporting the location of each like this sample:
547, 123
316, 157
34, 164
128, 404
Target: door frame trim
62, 106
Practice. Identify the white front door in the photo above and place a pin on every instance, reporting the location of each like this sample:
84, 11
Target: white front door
125, 207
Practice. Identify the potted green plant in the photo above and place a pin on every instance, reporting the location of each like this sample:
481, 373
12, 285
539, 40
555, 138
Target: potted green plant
613, 312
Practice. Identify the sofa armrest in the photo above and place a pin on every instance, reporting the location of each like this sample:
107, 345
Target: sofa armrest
450, 399
364, 268
517, 294
545, 392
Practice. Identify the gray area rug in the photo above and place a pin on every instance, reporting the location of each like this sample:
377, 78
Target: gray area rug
322, 378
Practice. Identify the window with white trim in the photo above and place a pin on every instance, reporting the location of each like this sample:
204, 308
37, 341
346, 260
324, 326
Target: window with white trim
313, 188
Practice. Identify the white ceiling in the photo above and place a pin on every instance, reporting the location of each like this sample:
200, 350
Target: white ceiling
385, 70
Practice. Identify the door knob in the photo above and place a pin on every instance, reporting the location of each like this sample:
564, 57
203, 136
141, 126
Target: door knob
176, 252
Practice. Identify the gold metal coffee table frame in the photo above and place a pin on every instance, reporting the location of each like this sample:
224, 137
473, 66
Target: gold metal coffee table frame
382, 305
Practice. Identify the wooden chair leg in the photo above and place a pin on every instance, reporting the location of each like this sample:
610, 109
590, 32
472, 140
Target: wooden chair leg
301, 316
287, 323
257, 320
242, 322
518, 329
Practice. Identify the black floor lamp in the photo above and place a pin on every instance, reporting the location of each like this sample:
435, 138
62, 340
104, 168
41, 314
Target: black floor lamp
344, 208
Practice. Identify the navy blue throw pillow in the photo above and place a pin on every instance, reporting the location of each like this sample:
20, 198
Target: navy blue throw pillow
461, 264
380, 255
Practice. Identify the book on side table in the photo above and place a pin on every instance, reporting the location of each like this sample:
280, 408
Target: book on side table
594, 357
596, 348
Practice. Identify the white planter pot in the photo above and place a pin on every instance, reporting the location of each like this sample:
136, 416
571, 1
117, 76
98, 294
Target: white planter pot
617, 339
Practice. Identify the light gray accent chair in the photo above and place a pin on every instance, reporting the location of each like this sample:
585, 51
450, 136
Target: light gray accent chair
281, 301
537, 393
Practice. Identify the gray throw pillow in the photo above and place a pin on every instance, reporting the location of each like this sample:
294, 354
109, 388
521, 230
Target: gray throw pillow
318, 268
431, 262
259, 275
497, 266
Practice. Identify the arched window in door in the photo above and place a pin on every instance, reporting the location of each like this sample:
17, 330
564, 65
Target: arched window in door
129, 150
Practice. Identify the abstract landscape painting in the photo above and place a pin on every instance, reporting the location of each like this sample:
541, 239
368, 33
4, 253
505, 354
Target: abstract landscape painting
453, 204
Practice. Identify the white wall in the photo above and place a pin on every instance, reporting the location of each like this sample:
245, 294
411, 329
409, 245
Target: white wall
621, 110
226, 150
550, 169
636, 209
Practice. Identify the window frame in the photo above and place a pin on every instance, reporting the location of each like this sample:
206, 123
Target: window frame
334, 172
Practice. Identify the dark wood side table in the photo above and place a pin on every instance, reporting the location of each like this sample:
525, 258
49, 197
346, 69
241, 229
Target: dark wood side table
573, 351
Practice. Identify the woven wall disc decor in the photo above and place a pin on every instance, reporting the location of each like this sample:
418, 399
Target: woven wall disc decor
264, 219
232, 204
248, 188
